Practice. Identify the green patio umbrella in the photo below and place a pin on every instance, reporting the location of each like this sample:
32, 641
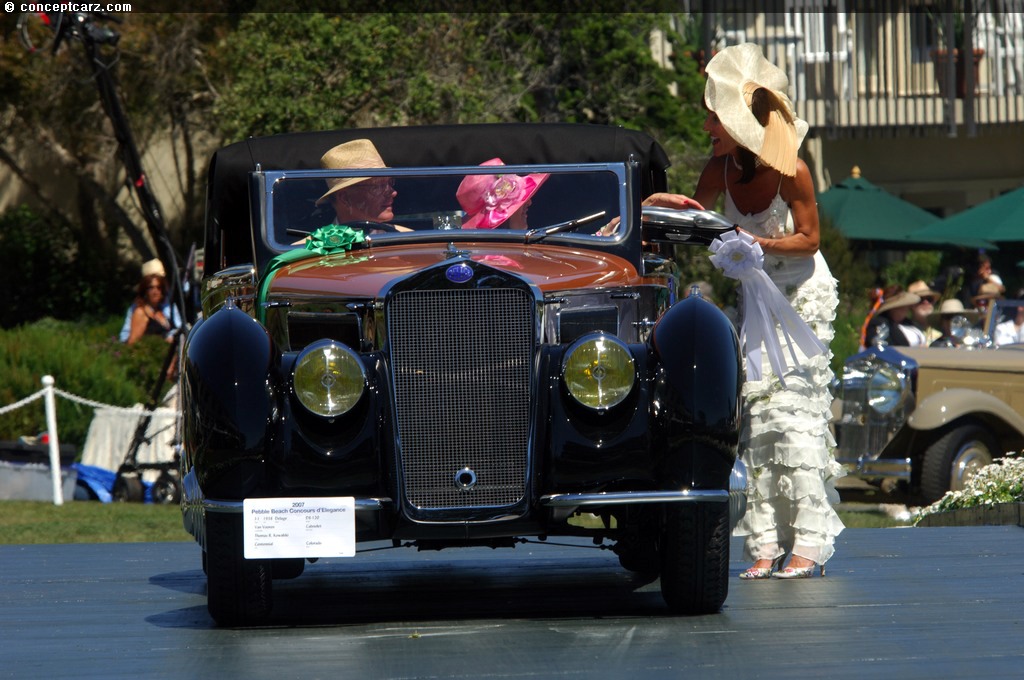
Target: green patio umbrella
998, 220
863, 211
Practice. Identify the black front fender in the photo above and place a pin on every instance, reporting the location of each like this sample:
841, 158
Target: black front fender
698, 389
228, 401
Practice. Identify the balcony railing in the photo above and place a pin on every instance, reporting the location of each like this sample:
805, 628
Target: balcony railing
885, 63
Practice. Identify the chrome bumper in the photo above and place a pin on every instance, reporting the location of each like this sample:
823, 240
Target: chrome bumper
879, 468
362, 505
736, 496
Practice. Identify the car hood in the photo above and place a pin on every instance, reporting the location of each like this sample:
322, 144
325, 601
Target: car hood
1003, 360
365, 273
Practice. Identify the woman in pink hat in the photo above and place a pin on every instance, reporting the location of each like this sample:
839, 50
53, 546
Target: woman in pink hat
497, 201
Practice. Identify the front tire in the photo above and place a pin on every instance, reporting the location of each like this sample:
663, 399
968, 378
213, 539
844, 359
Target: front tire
953, 459
695, 557
238, 591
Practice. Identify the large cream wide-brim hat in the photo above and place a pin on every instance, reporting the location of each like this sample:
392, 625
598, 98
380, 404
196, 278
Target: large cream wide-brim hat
923, 290
733, 74
359, 153
903, 299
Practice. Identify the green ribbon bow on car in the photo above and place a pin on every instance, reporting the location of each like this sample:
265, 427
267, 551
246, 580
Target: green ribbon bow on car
334, 238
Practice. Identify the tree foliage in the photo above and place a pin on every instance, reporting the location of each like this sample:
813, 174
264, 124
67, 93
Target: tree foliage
348, 70
58, 139
208, 79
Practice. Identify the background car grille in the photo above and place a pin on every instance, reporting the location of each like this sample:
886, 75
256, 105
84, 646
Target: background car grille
462, 362
861, 432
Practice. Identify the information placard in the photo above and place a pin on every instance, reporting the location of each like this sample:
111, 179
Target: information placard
299, 527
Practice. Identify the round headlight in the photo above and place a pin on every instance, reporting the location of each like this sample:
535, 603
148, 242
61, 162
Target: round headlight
329, 379
599, 371
885, 390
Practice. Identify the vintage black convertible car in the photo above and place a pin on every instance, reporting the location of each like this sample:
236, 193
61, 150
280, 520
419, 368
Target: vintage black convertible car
418, 381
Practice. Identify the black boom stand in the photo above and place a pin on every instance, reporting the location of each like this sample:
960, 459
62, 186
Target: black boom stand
82, 27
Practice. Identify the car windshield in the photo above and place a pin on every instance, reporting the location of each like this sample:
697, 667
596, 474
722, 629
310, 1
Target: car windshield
524, 203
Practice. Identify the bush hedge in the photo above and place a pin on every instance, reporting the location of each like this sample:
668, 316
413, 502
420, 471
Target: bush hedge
86, 359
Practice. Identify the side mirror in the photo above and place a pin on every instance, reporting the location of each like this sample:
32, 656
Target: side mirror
682, 227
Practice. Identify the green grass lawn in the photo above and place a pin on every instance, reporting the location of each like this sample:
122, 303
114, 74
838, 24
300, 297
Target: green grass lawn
89, 522
23, 522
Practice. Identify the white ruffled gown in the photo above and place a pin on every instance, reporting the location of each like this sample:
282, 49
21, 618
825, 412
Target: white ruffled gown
785, 440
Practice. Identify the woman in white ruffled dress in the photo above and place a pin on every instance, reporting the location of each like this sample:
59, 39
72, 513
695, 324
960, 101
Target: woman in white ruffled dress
785, 440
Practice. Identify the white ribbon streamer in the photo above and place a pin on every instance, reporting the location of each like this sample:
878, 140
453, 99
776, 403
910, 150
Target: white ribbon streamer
764, 307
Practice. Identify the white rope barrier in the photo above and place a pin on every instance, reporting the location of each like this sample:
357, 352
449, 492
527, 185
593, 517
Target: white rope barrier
24, 402
48, 394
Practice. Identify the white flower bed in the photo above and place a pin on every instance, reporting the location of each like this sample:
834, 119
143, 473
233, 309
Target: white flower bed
1001, 482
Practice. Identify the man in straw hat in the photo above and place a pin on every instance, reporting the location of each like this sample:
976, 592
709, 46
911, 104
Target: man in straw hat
785, 441
358, 199
952, 319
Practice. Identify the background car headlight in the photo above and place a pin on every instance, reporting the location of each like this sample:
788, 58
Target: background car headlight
329, 379
885, 391
599, 371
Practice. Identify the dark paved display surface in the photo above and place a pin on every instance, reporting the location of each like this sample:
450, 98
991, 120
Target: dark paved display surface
896, 603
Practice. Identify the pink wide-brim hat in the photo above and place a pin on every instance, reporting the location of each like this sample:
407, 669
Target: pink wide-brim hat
489, 200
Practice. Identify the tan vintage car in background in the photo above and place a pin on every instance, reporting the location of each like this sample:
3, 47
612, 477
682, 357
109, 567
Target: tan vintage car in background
923, 420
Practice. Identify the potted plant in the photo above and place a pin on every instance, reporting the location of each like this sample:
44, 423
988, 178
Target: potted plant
950, 28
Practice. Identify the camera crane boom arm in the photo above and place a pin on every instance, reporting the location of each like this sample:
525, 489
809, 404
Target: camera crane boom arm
81, 26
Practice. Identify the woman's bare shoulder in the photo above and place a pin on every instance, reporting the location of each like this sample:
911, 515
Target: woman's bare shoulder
801, 184
712, 177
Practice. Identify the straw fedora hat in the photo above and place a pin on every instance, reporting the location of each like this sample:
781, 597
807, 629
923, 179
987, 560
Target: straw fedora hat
988, 291
734, 76
489, 200
903, 299
953, 307
923, 290
359, 153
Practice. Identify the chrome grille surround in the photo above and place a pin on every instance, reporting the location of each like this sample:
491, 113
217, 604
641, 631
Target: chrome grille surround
861, 432
462, 366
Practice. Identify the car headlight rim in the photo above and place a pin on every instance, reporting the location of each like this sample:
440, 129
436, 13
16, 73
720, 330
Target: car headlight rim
886, 389
599, 371
329, 379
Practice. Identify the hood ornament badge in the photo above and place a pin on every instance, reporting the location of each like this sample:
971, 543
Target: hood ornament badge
459, 273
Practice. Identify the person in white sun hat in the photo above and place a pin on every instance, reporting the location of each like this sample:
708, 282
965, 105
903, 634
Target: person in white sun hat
785, 440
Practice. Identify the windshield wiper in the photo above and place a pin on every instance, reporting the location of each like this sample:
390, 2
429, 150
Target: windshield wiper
540, 233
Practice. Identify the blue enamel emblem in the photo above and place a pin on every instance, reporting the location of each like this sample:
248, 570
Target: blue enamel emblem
459, 273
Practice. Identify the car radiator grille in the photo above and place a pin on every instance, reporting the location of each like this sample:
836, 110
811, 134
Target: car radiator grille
462, 364
861, 431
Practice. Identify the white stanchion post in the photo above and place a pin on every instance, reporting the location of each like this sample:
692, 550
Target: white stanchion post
51, 429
